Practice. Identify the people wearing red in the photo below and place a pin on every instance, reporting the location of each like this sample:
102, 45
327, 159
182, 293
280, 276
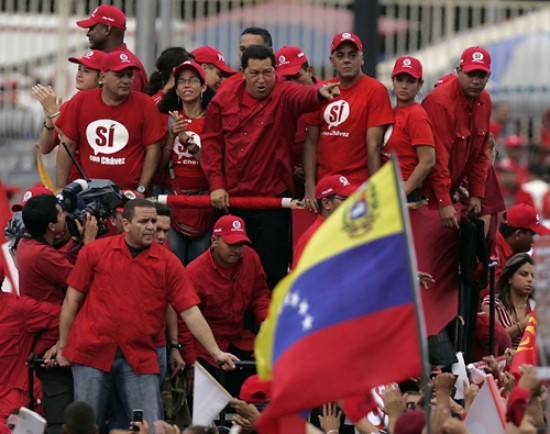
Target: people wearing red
227, 290
21, 319
106, 28
116, 130
247, 149
346, 135
115, 305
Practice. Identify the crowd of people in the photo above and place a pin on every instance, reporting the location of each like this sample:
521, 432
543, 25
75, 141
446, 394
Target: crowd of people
105, 318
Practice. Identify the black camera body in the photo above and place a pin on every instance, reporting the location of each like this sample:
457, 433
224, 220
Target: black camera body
99, 197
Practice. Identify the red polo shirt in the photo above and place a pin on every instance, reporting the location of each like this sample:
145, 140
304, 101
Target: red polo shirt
225, 295
503, 252
43, 273
20, 320
461, 132
247, 143
125, 305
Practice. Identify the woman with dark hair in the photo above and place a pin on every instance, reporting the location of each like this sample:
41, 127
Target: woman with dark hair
185, 104
162, 80
515, 300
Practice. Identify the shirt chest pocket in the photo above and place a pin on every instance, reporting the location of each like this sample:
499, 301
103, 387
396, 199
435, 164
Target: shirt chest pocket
230, 121
264, 120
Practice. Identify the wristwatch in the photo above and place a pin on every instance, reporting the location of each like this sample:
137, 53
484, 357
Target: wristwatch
140, 189
174, 346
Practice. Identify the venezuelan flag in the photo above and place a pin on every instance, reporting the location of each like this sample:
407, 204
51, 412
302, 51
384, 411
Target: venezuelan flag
346, 319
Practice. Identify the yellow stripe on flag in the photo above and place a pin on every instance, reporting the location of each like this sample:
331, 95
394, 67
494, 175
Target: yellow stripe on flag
42, 172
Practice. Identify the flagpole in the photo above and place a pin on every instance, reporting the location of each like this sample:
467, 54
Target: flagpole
413, 275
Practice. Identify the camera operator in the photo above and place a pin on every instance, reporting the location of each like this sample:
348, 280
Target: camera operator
43, 271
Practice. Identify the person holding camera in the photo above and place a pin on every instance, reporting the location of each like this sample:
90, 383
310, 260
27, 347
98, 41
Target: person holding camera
43, 271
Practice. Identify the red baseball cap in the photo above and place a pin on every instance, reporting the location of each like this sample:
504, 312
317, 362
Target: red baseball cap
289, 60
92, 59
117, 61
444, 79
105, 14
208, 54
254, 390
523, 216
231, 228
475, 58
334, 184
407, 65
32, 192
345, 37
507, 164
514, 141
189, 64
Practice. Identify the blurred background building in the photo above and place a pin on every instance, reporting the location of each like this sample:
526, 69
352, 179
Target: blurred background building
37, 37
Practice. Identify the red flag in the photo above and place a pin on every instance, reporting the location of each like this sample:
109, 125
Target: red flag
8, 281
526, 353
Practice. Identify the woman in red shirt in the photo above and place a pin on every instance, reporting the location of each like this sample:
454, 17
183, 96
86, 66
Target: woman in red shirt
185, 105
410, 137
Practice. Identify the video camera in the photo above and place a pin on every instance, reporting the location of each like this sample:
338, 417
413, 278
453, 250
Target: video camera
99, 197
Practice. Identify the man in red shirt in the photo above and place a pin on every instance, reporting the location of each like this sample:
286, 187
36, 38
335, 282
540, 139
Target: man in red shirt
330, 192
229, 280
115, 306
21, 319
213, 63
106, 28
117, 131
346, 135
247, 143
43, 271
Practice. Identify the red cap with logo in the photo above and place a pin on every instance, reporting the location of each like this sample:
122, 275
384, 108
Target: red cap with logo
105, 14
92, 59
514, 141
334, 184
33, 192
289, 60
407, 65
208, 54
231, 228
189, 64
117, 61
340, 38
523, 216
474, 59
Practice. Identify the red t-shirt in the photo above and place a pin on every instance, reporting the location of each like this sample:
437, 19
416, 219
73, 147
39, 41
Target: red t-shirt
112, 139
304, 239
225, 296
343, 123
187, 170
412, 128
125, 305
460, 128
20, 320
247, 143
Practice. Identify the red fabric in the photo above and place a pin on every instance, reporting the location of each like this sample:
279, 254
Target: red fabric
247, 150
437, 253
225, 295
158, 97
296, 386
237, 202
235, 78
291, 424
306, 236
20, 320
140, 75
118, 133
43, 272
125, 303
74, 173
343, 123
503, 253
356, 407
517, 405
461, 130
5, 215
412, 128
